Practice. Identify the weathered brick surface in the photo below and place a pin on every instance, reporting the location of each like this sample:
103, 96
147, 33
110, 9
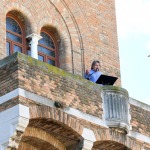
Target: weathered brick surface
140, 120
17, 100
6, 105
85, 30
51, 82
25, 146
60, 124
41, 139
8, 78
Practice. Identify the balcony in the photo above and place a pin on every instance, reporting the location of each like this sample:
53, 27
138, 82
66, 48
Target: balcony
46, 84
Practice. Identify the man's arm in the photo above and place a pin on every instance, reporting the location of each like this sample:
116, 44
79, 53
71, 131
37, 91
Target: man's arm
86, 75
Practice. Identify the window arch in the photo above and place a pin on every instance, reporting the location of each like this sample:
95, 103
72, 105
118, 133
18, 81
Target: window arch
47, 48
15, 35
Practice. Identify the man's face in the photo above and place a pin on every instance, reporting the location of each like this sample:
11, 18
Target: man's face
96, 67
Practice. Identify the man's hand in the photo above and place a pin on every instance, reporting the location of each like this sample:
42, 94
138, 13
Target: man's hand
87, 71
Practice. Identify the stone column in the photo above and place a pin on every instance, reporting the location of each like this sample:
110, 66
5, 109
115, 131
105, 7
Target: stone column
89, 139
33, 43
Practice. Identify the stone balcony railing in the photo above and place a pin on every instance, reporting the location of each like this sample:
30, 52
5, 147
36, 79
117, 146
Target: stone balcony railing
116, 107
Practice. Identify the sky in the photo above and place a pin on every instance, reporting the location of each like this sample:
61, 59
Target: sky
133, 26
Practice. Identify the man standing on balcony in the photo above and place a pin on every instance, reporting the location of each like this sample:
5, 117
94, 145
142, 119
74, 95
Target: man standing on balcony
94, 73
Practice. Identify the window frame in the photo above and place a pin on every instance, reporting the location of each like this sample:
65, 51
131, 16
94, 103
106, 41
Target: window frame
22, 36
46, 57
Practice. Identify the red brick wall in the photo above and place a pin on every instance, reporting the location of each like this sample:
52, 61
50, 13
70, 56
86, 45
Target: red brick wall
8, 77
140, 120
101, 24
85, 30
50, 82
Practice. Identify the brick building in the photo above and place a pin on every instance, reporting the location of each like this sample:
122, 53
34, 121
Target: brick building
45, 104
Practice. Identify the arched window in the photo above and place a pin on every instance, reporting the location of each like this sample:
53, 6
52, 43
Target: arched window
47, 49
15, 37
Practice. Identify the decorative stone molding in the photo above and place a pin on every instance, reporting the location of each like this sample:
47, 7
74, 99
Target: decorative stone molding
116, 107
13, 122
19, 128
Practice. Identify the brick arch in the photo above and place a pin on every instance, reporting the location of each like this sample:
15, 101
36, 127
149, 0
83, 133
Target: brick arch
66, 128
54, 18
51, 28
23, 19
37, 138
82, 29
28, 16
110, 137
111, 134
22, 12
61, 34
25, 146
77, 46
109, 145
58, 116
52, 23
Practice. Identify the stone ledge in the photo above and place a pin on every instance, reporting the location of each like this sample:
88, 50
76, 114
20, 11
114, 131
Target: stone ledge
45, 67
7, 98
139, 104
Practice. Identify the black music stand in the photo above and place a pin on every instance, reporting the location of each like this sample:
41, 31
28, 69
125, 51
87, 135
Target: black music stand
106, 80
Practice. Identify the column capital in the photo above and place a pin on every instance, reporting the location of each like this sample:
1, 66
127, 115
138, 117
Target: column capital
34, 36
